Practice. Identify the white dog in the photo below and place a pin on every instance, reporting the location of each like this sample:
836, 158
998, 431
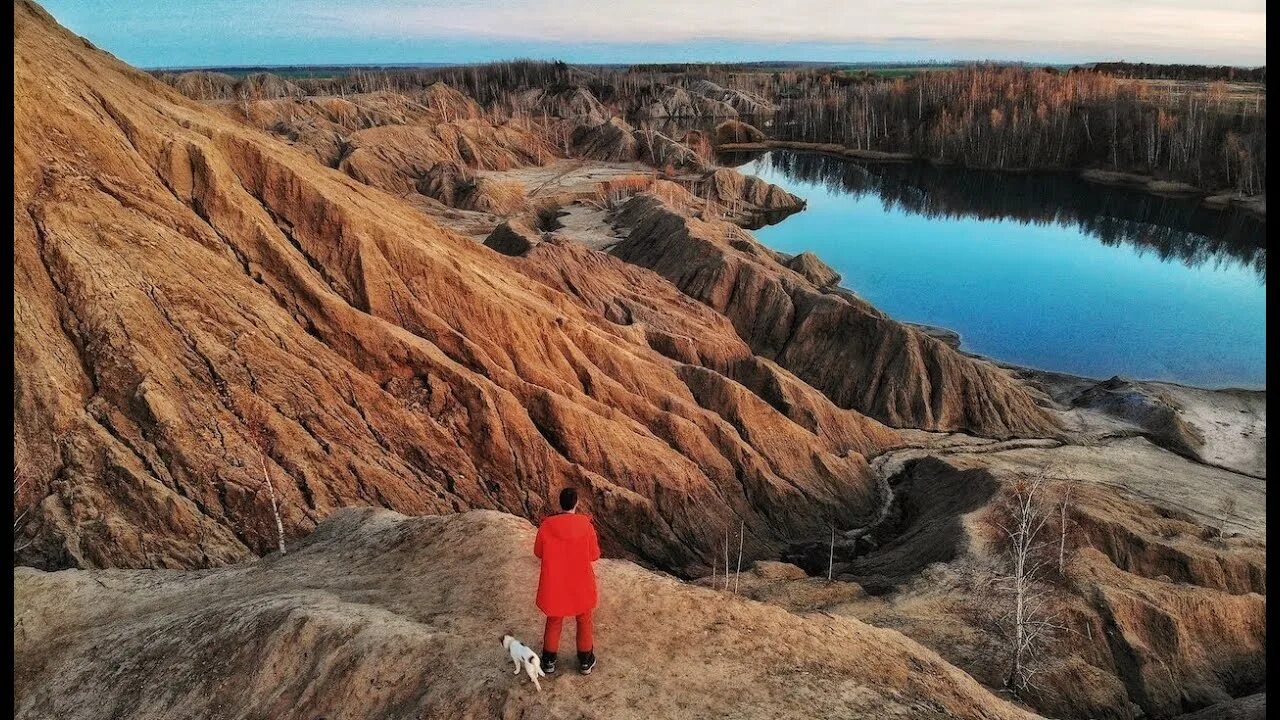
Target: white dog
523, 656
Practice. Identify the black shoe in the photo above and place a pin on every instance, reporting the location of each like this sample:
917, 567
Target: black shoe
548, 662
586, 662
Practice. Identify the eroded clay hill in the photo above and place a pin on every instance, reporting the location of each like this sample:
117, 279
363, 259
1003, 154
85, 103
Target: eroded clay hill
830, 338
390, 140
195, 300
406, 144
194, 297
379, 615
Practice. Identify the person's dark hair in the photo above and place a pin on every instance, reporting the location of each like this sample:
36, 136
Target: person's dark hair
568, 498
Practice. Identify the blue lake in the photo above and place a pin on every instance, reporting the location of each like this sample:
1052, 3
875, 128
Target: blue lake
1044, 270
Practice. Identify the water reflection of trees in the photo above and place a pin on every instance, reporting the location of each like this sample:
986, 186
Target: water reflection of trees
1175, 228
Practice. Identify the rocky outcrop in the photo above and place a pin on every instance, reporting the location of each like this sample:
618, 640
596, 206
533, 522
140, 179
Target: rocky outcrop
660, 151
745, 195
673, 101
736, 131
266, 86
813, 269
359, 111
697, 99
611, 140
354, 621
390, 140
449, 182
205, 85
614, 140
441, 102
1177, 649
200, 306
1175, 548
841, 345
395, 157
513, 238
1155, 413
743, 102
574, 102
457, 186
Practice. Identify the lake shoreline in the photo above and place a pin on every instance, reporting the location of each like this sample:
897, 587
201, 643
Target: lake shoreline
1216, 199
1217, 427
956, 341
1094, 372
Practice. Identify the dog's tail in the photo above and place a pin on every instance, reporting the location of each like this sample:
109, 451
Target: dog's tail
537, 665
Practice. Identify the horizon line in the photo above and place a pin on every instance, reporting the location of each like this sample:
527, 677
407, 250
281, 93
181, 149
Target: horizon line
820, 63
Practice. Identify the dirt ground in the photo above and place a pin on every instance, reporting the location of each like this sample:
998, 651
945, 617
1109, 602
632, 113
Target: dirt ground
380, 615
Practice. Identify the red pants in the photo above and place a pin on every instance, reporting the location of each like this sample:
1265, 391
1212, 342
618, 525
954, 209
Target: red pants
551, 638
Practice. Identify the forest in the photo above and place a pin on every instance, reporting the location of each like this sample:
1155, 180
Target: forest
1202, 73
1019, 118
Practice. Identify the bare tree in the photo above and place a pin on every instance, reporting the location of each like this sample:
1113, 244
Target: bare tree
261, 438
831, 554
1062, 524
1029, 618
275, 507
742, 527
20, 519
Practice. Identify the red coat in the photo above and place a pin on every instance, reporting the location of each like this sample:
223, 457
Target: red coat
567, 545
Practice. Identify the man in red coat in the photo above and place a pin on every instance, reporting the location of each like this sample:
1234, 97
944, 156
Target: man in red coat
567, 546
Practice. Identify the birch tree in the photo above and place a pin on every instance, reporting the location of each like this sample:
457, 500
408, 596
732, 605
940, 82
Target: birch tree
1028, 616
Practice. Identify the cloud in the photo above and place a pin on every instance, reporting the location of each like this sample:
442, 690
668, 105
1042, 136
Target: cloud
153, 32
1209, 25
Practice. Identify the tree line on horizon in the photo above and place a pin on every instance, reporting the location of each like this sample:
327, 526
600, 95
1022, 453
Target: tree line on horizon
982, 116
1004, 117
1178, 71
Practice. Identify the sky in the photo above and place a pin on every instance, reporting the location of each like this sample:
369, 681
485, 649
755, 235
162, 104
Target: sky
204, 33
